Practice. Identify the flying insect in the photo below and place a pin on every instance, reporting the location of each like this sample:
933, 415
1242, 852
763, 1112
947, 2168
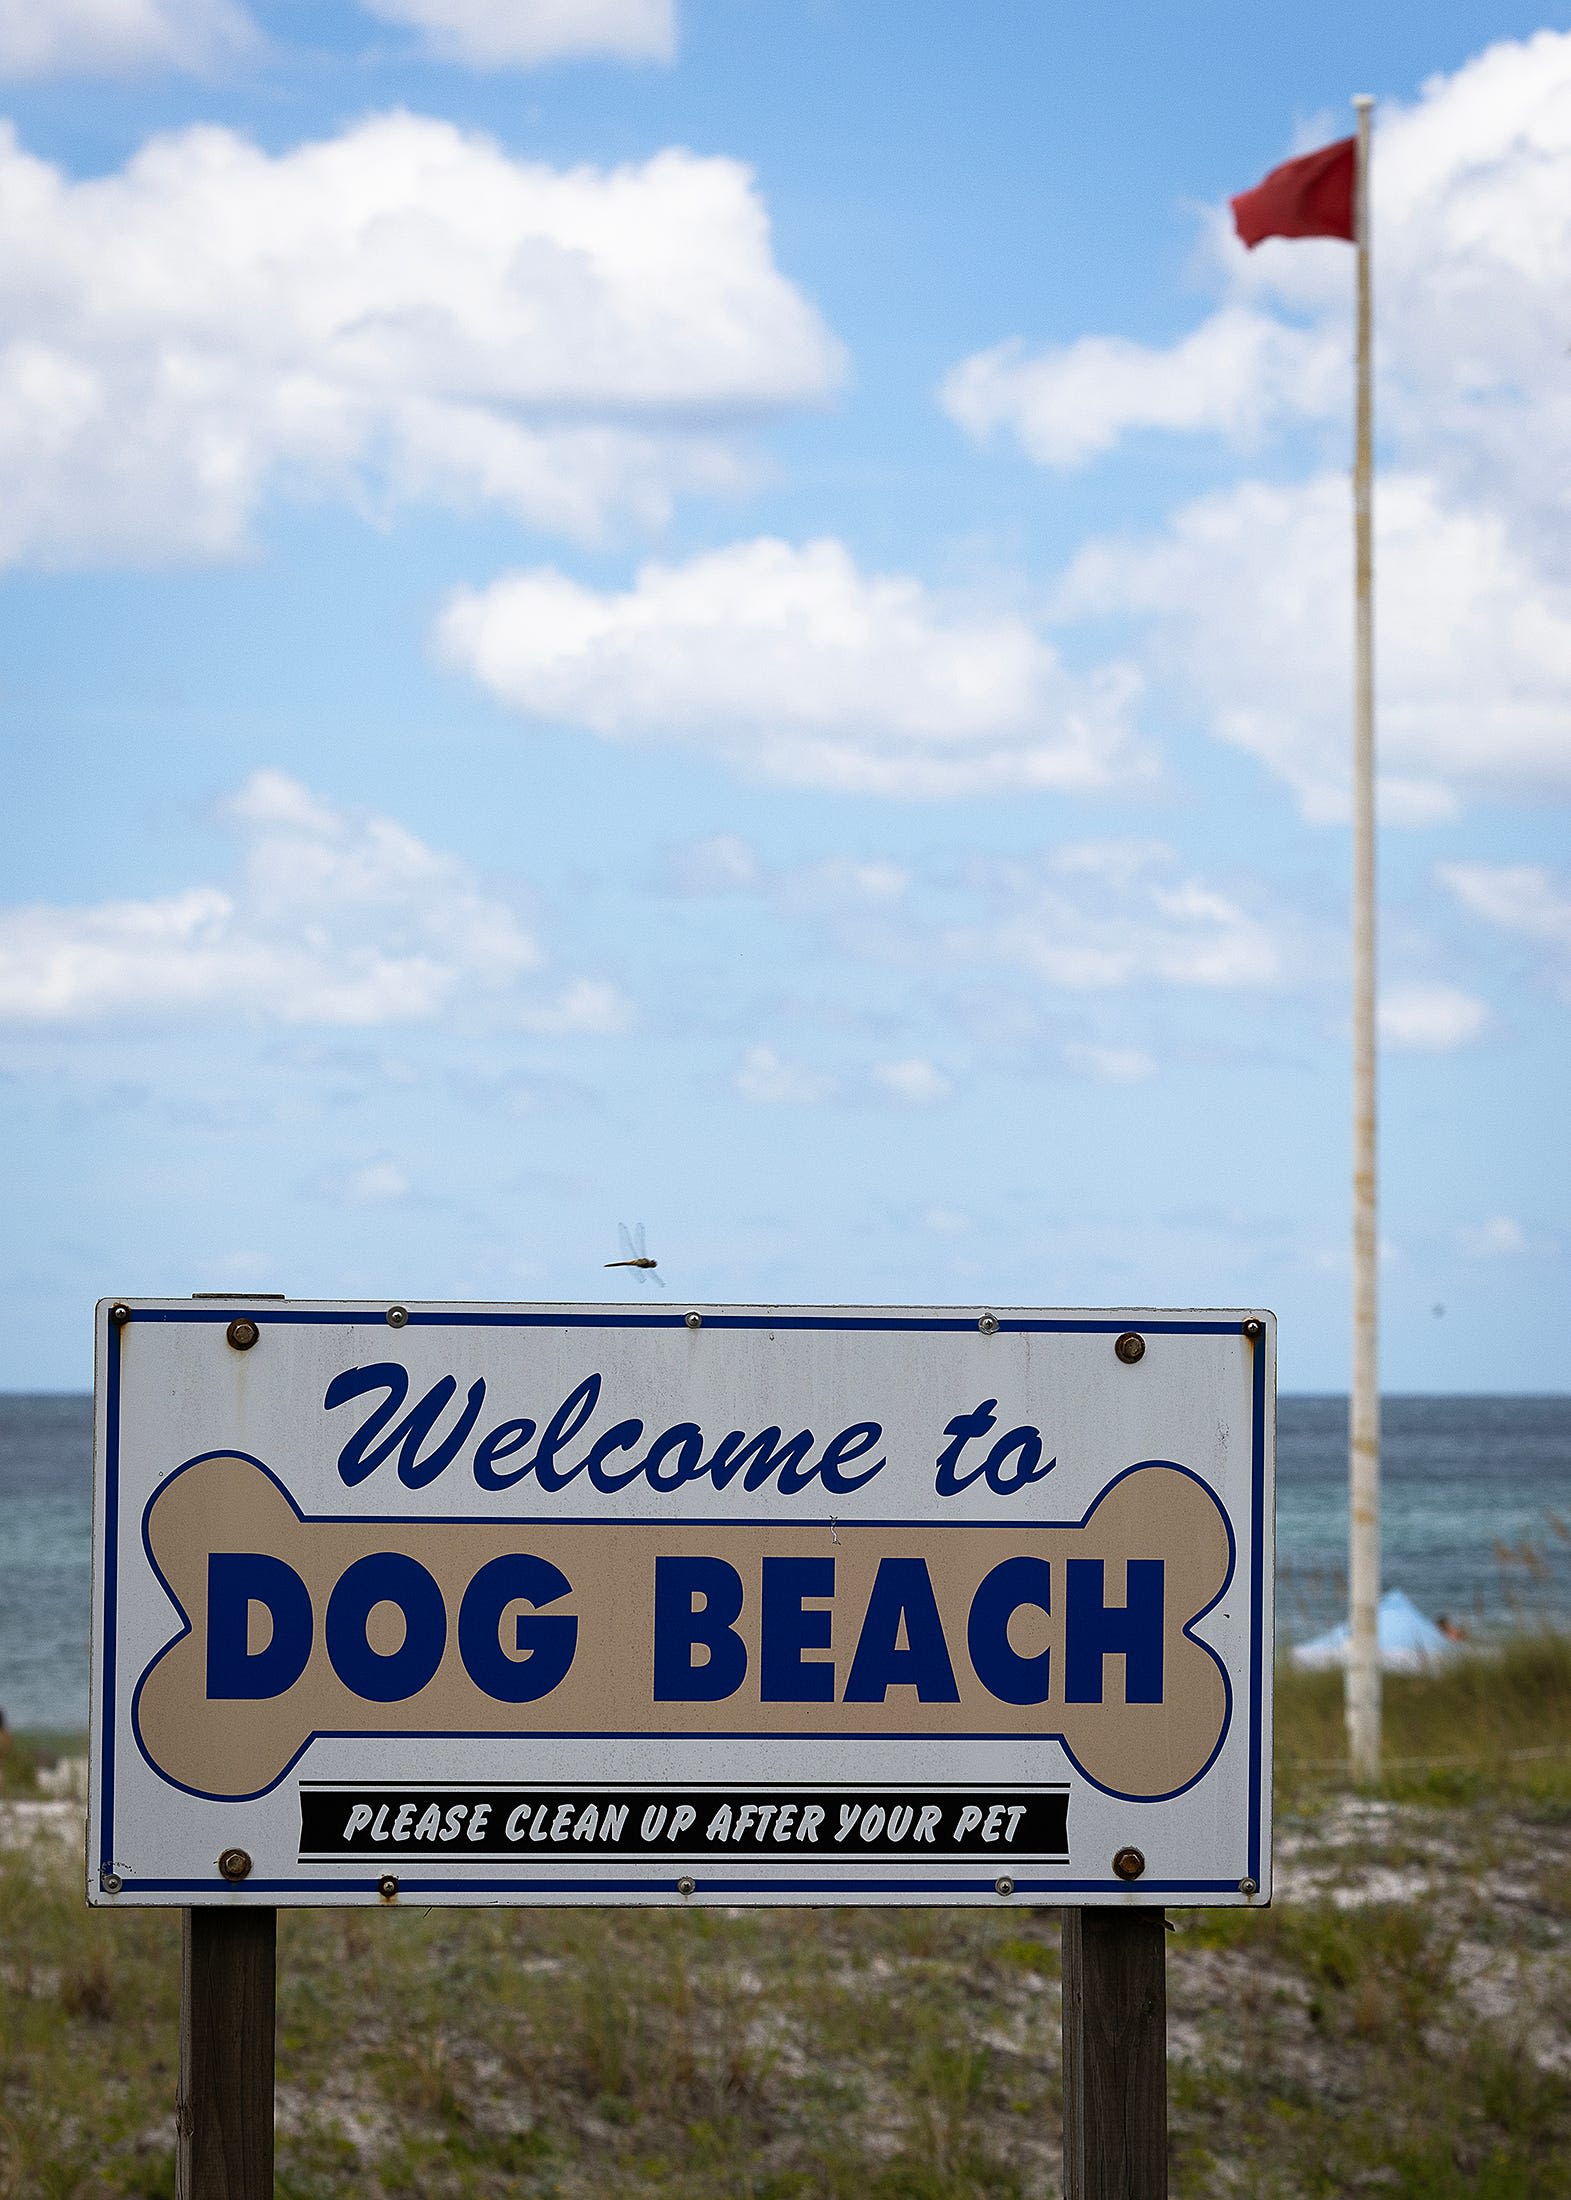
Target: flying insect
635, 1254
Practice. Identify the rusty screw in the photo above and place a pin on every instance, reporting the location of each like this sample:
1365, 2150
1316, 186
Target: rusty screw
1129, 1863
387, 1886
235, 1864
120, 1313
1130, 1347
1253, 1328
242, 1334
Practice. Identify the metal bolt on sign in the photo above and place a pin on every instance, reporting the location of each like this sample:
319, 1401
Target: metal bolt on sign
235, 1864
387, 1887
397, 1316
120, 1314
694, 1320
687, 1886
1131, 1346
242, 1334
1004, 1885
1129, 1863
988, 1325
1253, 1328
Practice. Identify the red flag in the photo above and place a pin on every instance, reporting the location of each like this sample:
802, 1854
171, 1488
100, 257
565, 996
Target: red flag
1311, 197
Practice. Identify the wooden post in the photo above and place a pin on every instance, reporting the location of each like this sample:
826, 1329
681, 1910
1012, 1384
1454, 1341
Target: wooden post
224, 2115
1115, 2054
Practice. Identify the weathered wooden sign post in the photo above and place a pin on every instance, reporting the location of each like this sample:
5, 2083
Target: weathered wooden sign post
598, 1604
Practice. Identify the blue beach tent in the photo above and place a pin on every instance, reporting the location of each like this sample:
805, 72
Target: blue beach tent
1408, 1642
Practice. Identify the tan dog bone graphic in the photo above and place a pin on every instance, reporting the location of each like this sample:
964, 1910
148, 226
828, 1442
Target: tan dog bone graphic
298, 1627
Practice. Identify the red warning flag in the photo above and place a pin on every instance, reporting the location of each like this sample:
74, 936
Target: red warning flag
1309, 197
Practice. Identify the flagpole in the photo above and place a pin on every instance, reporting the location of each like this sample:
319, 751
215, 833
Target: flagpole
1363, 1650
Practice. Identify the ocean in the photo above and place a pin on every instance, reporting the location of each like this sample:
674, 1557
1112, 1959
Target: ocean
1477, 1525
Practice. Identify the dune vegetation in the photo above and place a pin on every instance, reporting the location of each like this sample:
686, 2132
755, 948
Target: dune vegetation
1399, 2021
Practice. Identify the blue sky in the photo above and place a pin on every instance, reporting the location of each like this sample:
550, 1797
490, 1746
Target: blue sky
735, 615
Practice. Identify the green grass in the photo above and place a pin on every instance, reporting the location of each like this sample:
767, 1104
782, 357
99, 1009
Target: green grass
1411, 2045
574, 2052
26, 1751
1487, 1725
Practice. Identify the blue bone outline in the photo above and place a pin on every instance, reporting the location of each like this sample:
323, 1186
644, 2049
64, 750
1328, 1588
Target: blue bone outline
459, 1520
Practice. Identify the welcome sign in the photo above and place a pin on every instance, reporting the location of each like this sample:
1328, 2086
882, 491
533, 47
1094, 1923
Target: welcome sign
738, 1604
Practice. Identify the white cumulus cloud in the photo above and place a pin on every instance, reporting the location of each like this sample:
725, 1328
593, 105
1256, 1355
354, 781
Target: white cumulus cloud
1502, 1237
789, 663
1109, 1065
1515, 897
1247, 596
588, 1007
333, 918
1233, 375
42, 38
1430, 1019
1523, 900
1106, 915
1244, 596
723, 863
521, 34
400, 312
916, 1081
769, 1078
1078, 916
374, 1184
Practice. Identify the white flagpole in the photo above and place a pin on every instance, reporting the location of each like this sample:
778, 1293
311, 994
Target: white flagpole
1363, 1650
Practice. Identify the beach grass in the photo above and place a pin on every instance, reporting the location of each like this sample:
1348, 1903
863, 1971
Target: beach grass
1491, 1723
1398, 2022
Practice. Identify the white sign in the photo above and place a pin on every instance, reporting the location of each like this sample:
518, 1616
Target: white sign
612, 1604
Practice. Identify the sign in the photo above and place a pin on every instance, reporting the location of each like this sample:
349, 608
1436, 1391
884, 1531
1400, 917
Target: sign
523, 1604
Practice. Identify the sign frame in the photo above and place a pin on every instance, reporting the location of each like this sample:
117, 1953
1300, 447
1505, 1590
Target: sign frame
696, 1879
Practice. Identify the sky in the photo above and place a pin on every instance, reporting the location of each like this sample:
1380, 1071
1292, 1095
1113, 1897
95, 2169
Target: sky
735, 615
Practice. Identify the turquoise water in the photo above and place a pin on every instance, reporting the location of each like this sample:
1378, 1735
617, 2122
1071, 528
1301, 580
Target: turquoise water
1477, 1524
1475, 1509
46, 1463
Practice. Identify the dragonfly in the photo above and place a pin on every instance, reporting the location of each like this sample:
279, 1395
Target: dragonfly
635, 1254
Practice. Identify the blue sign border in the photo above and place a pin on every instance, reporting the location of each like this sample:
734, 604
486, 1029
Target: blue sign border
615, 1318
